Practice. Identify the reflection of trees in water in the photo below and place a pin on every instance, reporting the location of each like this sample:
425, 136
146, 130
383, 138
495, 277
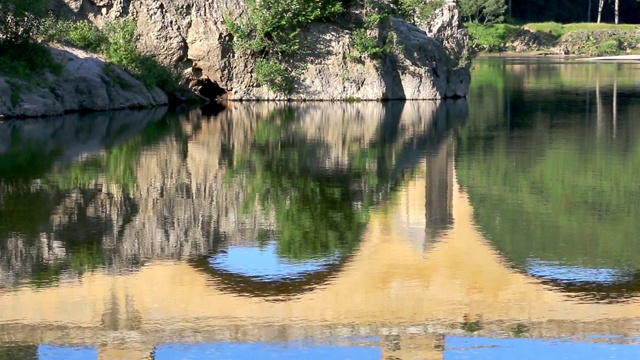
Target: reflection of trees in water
18, 352
554, 189
317, 212
321, 203
318, 174
304, 174
54, 221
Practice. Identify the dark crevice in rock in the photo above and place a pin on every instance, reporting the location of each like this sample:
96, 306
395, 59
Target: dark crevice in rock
210, 89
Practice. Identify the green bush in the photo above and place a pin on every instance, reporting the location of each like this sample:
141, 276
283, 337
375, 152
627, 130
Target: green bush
116, 41
120, 49
269, 31
365, 44
274, 75
270, 27
26, 60
21, 56
610, 47
417, 10
492, 38
80, 34
19, 20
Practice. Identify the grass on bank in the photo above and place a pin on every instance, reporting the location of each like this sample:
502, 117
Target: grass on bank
492, 38
577, 38
557, 29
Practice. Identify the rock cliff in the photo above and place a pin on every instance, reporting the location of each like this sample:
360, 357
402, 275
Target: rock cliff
191, 35
86, 83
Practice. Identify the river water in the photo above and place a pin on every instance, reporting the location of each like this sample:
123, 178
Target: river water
503, 226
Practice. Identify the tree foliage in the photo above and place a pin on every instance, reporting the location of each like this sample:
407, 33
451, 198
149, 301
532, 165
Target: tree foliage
270, 27
483, 11
19, 20
21, 56
417, 10
269, 31
546, 184
116, 41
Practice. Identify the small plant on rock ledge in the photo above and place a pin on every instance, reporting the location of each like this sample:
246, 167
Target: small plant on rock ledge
376, 17
269, 31
274, 75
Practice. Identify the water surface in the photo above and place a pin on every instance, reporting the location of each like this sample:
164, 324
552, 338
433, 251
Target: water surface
502, 226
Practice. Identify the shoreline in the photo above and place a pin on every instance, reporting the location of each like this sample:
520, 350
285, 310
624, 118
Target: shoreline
513, 54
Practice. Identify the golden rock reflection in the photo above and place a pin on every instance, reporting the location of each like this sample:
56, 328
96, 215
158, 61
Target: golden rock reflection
422, 269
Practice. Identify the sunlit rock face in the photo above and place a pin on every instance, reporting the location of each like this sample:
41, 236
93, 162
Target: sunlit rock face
191, 35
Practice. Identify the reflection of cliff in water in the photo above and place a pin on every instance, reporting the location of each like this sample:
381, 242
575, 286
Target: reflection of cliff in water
179, 189
51, 188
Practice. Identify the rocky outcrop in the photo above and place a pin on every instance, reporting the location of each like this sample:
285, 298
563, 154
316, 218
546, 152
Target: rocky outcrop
446, 26
191, 36
599, 42
86, 83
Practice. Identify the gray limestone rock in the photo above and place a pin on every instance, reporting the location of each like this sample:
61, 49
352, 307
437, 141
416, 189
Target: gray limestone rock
191, 36
87, 83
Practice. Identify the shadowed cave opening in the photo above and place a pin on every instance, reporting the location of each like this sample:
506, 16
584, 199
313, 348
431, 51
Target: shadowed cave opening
211, 90
214, 93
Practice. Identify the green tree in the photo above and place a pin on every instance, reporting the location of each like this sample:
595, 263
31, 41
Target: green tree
480, 14
418, 10
484, 12
19, 20
21, 56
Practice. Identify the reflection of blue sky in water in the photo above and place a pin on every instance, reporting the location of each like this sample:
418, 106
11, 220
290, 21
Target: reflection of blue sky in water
456, 348
264, 262
557, 271
48, 352
523, 349
286, 351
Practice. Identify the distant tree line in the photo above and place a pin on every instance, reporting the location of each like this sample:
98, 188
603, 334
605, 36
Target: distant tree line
566, 11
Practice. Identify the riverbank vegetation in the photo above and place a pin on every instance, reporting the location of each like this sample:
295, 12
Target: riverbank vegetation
508, 28
21, 55
271, 31
26, 29
115, 40
550, 37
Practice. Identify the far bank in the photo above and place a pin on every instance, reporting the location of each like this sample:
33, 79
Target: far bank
551, 38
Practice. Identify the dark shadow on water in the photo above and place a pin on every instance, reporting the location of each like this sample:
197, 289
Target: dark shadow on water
611, 293
213, 108
280, 290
